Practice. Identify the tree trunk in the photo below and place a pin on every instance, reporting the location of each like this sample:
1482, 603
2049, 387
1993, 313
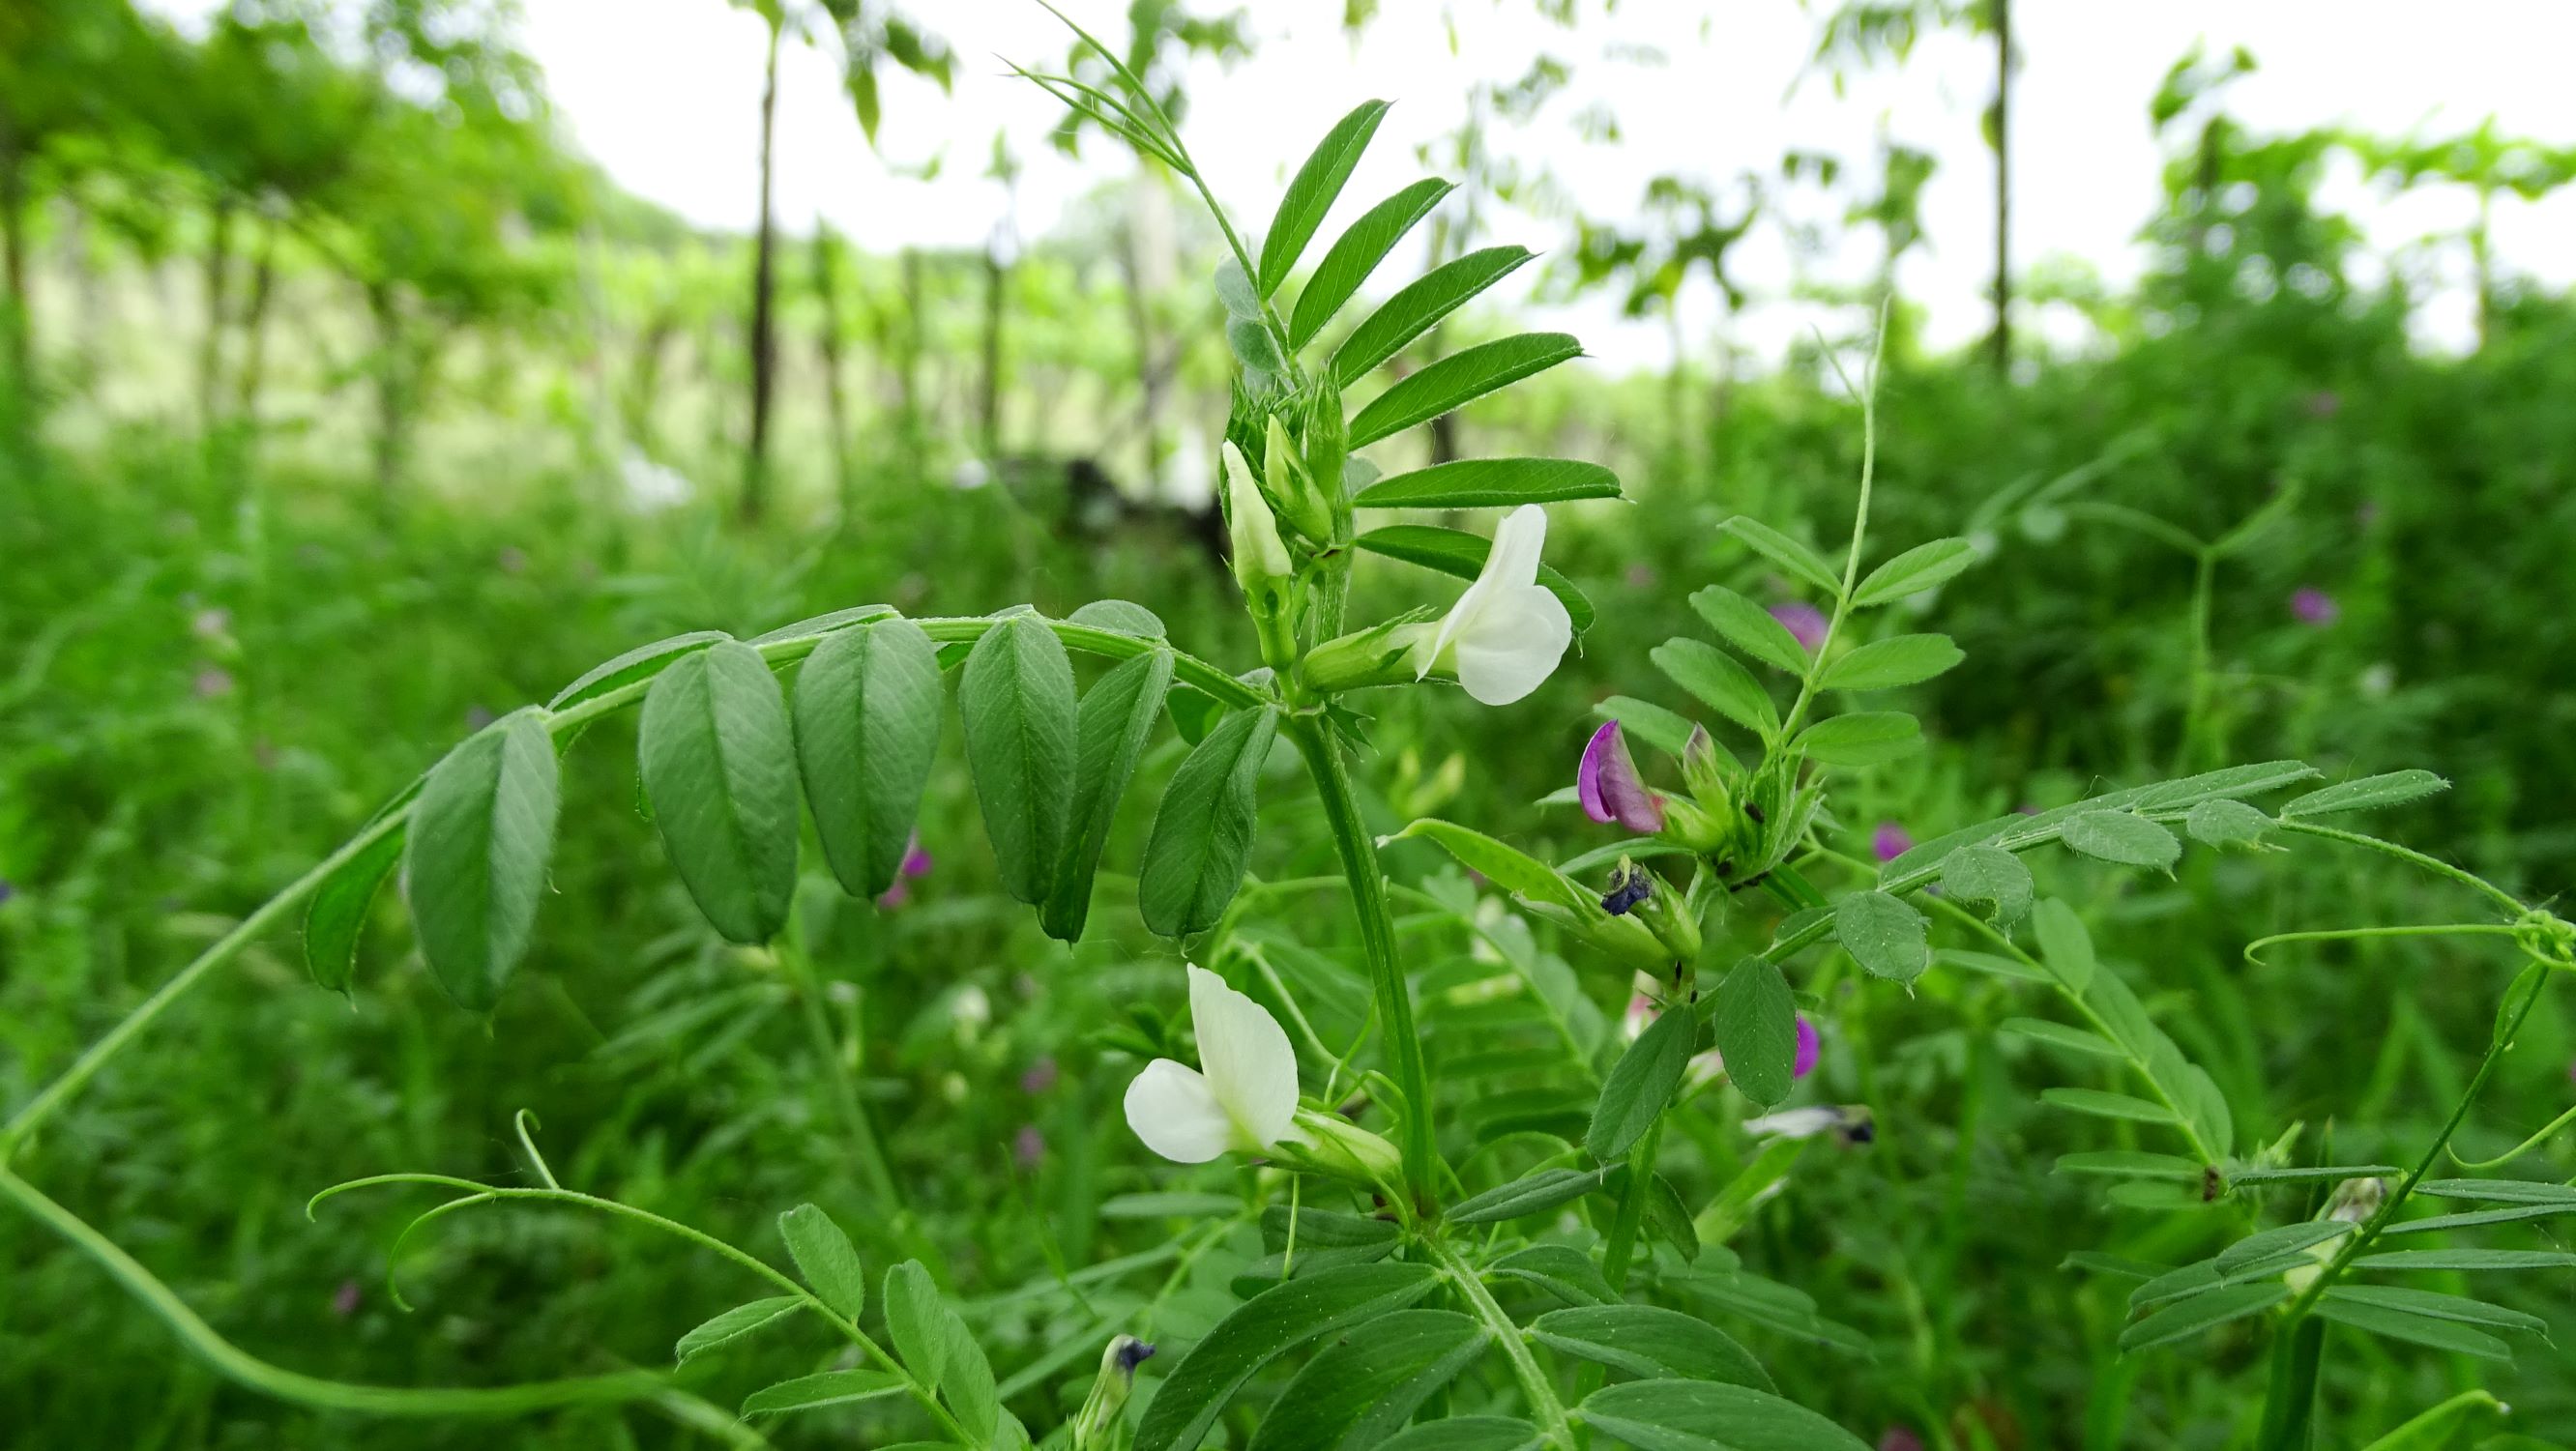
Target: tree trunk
391, 405
764, 350
908, 376
210, 348
827, 286
263, 284
988, 407
1999, 346
17, 327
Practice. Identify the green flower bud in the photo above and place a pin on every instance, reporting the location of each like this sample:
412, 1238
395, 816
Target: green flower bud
1096, 1427
1299, 500
1381, 655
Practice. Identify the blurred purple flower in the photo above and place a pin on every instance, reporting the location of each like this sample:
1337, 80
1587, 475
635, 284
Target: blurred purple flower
1028, 1146
1890, 841
1609, 786
476, 717
2314, 606
1898, 1438
211, 624
512, 559
1804, 621
213, 681
1810, 1047
1039, 1078
916, 863
344, 1301
1641, 576
7, 890
2324, 403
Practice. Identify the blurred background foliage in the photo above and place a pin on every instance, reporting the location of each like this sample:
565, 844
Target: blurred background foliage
345, 406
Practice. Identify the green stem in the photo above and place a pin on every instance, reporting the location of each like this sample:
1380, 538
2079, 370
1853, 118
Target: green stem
240, 1366
784, 650
845, 1091
2294, 1385
1535, 1385
1851, 560
1621, 1244
921, 1392
1377, 938
2435, 865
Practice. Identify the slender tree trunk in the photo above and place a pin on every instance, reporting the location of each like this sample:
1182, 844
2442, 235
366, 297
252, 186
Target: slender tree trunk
836, 403
17, 326
2482, 263
915, 303
988, 407
1999, 346
210, 348
764, 349
263, 285
391, 405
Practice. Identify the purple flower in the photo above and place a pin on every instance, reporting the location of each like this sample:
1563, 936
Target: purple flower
2314, 606
1804, 621
1133, 1353
344, 1301
212, 682
1890, 841
7, 890
916, 863
1900, 1438
1809, 1047
1028, 1146
476, 717
1611, 789
1039, 1078
1641, 576
2324, 403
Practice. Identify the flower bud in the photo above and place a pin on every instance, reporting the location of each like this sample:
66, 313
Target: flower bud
1343, 1149
1096, 1427
1380, 655
1299, 500
1327, 437
1261, 562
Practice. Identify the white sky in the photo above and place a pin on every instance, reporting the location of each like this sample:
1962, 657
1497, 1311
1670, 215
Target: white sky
665, 94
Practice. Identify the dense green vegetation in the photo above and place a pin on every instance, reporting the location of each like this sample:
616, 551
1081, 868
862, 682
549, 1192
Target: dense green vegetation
342, 418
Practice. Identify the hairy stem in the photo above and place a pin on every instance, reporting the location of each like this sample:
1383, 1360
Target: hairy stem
2288, 1413
1535, 1385
1377, 937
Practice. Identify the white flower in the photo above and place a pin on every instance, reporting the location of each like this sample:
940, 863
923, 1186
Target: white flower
1243, 1094
1506, 634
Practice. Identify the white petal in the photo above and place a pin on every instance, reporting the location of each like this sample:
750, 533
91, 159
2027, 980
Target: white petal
1795, 1123
1172, 1108
1514, 557
1514, 645
1511, 562
1246, 1057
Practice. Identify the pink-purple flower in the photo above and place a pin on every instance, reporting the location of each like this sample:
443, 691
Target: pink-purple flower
916, 863
1610, 788
2314, 606
1890, 841
1810, 1047
1039, 1078
1804, 621
1028, 1146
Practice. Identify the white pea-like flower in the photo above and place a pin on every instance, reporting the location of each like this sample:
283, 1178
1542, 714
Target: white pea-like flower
1506, 634
1243, 1095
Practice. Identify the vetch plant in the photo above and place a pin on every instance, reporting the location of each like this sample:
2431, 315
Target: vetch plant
1480, 1230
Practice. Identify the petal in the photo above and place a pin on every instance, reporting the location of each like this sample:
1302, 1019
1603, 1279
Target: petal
1514, 644
1512, 560
1246, 1057
1809, 1048
1172, 1108
1587, 777
1611, 788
